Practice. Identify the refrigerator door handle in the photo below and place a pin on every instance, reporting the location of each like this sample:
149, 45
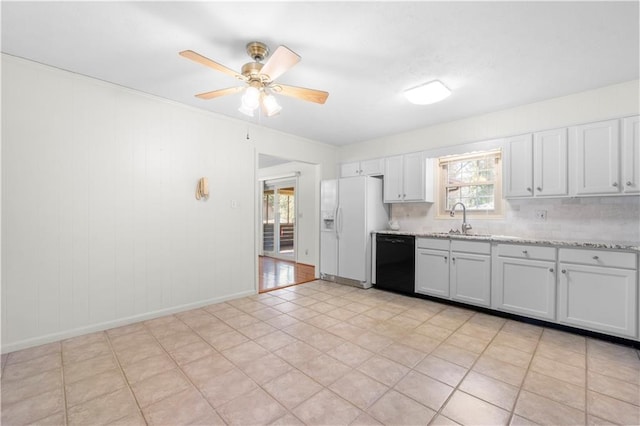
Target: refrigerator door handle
338, 221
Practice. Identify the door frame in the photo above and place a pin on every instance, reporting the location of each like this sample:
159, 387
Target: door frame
279, 182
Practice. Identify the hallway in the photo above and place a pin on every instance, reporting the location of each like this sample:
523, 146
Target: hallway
275, 273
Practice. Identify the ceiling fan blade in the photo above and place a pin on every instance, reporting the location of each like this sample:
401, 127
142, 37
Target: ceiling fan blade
281, 60
221, 92
196, 57
311, 95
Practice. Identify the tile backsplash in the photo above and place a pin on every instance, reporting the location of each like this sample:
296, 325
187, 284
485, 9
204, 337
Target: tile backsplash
598, 219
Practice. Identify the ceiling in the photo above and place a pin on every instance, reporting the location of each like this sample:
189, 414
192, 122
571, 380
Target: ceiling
492, 55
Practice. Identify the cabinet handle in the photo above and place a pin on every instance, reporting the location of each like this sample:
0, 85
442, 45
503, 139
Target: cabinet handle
524, 252
529, 189
453, 259
628, 183
445, 259
614, 184
550, 269
404, 195
595, 257
539, 189
564, 271
398, 195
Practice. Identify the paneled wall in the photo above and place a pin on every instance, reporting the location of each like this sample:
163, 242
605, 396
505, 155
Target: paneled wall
100, 225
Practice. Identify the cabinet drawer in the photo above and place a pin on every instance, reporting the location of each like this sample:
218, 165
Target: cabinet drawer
432, 243
527, 251
599, 258
471, 246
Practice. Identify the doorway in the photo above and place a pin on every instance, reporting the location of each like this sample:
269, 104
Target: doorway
279, 219
287, 212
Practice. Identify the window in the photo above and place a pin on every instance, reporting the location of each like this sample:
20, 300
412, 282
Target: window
474, 180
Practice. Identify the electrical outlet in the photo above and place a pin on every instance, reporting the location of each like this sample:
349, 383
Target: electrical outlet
541, 215
234, 204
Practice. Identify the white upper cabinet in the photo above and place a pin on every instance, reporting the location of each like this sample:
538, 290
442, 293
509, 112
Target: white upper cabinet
550, 163
536, 164
350, 169
413, 177
373, 167
631, 155
393, 179
408, 178
518, 166
596, 158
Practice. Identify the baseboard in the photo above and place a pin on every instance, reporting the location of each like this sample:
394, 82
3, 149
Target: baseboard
54, 337
534, 321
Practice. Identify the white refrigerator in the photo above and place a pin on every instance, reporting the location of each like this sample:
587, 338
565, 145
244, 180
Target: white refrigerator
350, 209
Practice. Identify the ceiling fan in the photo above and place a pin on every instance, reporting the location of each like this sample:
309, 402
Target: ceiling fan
260, 79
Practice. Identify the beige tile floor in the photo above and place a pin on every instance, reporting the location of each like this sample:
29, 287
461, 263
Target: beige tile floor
322, 353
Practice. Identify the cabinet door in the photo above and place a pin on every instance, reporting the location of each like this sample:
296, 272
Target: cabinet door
597, 298
596, 158
413, 177
350, 169
526, 287
631, 156
471, 278
432, 272
518, 167
393, 179
550, 163
372, 167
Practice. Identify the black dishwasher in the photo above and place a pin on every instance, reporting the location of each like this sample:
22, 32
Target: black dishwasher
395, 262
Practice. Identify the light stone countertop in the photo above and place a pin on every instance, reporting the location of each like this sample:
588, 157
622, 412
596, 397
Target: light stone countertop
609, 245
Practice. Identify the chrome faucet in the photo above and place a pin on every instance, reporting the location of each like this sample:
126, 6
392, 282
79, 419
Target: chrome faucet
465, 226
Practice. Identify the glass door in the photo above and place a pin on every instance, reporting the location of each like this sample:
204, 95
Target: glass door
278, 219
268, 221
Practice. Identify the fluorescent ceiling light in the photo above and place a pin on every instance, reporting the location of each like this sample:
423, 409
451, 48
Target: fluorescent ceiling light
427, 93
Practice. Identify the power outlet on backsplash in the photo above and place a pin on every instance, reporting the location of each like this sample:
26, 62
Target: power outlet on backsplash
541, 215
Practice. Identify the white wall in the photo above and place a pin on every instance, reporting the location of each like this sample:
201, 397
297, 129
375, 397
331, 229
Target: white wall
308, 199
100, 225
593, 105
595, 218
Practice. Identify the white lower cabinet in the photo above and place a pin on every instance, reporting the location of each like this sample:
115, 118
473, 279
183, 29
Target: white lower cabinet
598, 291
470, 277
591, 289
524, 281
432, 267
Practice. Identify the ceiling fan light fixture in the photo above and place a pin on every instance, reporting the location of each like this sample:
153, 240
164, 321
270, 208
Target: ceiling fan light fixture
259, 79
271, 105
428, 93
251, 98
247, 111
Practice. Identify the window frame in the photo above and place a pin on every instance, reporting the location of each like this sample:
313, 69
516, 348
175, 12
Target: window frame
441, 189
